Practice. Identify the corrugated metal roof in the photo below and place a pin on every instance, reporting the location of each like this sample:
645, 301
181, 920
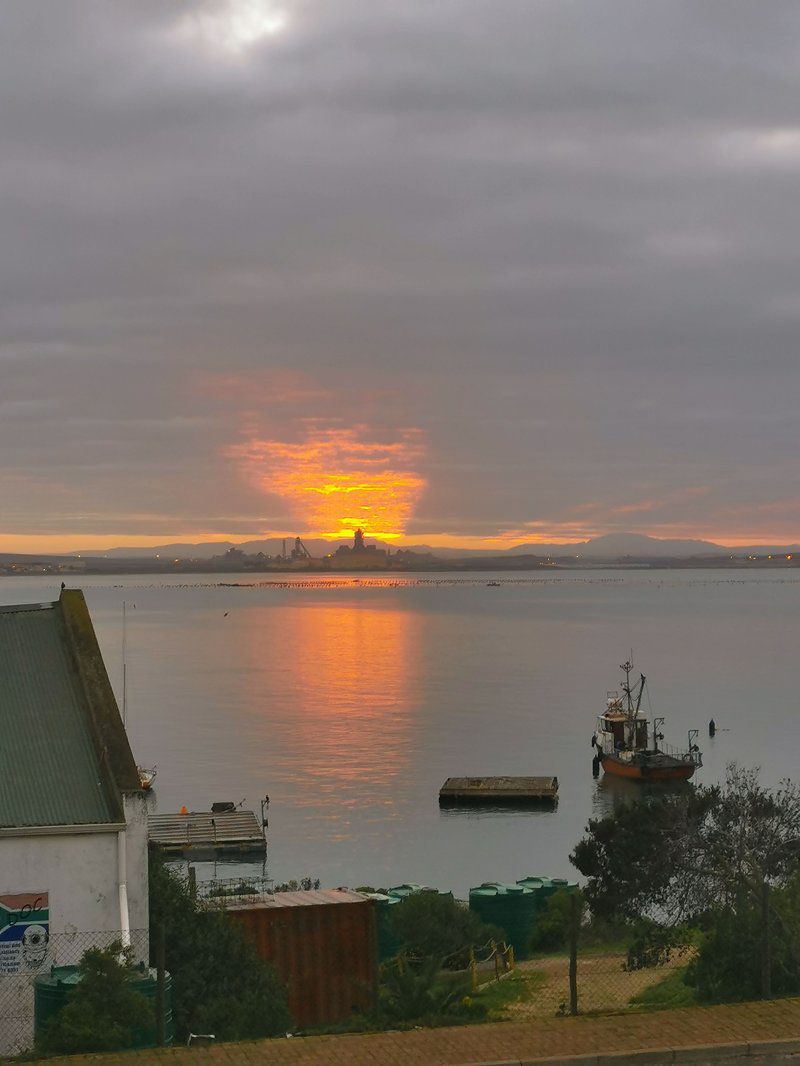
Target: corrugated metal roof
50, 771
321, 897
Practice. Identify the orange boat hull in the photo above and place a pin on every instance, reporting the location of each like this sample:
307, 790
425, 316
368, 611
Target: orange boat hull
665, 773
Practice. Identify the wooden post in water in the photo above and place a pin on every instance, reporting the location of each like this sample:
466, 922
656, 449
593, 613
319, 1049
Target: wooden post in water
574, 925
193, 882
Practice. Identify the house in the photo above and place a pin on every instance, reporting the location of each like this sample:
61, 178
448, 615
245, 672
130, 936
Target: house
73, 818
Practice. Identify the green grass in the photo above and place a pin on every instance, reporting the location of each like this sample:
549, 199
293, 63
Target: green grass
668, 993
518, 987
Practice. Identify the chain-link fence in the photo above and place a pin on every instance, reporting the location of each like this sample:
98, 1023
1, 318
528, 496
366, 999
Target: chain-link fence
35, 954
594, 983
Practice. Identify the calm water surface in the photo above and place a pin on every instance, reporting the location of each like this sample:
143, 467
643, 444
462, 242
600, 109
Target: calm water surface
349, 702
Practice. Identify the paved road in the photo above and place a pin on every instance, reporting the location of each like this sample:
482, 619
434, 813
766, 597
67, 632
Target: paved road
491, 1043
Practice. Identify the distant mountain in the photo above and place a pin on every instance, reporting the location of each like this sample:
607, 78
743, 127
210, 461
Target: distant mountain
607, 546
620, 545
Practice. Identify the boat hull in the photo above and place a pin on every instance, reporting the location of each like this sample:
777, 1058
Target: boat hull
642, 771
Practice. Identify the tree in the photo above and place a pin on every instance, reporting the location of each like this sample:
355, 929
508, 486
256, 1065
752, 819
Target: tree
432, 925
105, 1012
695, 853
555, 924
219, 982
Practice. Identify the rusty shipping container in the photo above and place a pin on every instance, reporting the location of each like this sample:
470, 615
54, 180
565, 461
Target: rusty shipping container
323, 944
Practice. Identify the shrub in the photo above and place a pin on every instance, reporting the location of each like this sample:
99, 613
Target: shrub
419, 992
219, 983
554, 922
433, 926
104, 1011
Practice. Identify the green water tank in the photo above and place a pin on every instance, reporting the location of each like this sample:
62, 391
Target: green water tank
53, 990
388, 944
402, 891
511, 907
545, 887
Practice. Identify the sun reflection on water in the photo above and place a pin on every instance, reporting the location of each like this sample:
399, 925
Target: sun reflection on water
345, 681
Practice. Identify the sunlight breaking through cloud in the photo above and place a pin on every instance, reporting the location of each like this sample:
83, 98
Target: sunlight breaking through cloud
232, 26
338, 480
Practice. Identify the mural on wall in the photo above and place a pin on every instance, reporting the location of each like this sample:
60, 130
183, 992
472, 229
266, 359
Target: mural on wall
24, 932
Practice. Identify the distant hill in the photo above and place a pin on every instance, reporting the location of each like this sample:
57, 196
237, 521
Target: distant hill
608, 546
620, 545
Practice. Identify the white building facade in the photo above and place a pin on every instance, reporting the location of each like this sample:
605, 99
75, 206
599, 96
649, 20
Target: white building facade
73, 815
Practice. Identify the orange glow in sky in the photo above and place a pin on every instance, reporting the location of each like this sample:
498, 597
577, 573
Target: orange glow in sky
339, 480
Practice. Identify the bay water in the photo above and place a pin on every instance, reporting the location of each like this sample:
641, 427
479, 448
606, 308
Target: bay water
348, 701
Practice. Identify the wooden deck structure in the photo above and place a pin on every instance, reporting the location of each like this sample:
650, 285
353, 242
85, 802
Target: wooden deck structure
499, 791
201, 831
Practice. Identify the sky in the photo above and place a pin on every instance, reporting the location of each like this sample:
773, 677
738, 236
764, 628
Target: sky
458, 272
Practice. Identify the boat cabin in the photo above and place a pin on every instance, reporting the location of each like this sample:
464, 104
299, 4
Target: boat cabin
619, 731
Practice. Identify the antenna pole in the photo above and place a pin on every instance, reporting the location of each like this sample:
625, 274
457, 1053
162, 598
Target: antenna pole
124, 665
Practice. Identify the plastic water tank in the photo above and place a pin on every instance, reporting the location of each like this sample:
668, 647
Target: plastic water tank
511, 907
388, 944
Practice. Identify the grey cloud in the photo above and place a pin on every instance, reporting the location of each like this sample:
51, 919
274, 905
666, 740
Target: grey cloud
521, 219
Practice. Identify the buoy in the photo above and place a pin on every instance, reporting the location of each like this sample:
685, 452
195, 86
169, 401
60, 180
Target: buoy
712, 728
184, 810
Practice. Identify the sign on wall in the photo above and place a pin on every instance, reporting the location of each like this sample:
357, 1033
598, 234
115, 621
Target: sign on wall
24, 932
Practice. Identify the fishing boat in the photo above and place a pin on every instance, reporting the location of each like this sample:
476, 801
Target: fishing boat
625, 745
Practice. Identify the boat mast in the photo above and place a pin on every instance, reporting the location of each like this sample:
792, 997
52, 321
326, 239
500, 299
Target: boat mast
626, 688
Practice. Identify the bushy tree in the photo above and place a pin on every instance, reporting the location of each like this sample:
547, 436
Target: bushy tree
220, 984
701, 852
430, 925
556, 921
677, 856
728, 963
104, 1012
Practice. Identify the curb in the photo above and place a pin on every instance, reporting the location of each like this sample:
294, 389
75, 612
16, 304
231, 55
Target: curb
768, 1051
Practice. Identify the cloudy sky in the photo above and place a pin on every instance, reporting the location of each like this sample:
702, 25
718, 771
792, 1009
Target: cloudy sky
454, 270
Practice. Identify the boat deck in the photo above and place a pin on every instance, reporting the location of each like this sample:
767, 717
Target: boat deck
498, 791
201, 831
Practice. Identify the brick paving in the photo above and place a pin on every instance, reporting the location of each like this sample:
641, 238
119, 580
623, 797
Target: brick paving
491, 1043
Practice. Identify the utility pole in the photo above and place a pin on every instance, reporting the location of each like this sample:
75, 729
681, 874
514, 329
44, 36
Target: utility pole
574, 927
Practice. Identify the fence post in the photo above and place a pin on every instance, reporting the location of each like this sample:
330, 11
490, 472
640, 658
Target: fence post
161, 1036
574, 924
766, 945
496, 960
473, 969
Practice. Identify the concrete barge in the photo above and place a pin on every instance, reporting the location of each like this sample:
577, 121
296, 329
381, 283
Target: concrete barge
499, 791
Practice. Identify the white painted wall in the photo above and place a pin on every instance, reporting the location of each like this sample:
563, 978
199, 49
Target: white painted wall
79, 873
